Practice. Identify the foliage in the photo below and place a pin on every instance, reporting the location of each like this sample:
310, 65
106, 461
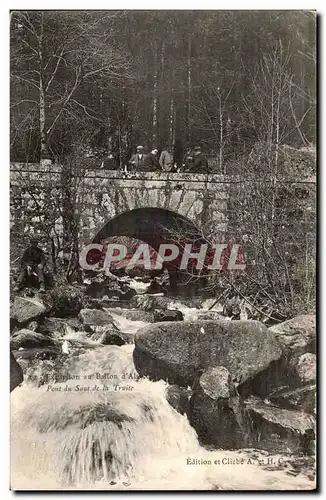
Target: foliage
274, 219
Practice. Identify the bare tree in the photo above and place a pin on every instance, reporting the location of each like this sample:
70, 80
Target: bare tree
53, 55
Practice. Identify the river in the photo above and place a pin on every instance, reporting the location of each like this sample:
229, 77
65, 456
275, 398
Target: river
112, 430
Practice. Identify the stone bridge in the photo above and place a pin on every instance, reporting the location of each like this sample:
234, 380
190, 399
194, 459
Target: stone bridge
118, 203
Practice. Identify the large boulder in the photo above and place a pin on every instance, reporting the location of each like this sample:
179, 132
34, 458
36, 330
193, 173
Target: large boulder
297, 335
28, 338
16, 373
67, 300
279, 430
25, 309
289, 373
96, 320
301, 398
217, 413
177, 351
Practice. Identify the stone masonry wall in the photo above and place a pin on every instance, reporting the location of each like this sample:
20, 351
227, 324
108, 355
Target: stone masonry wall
102, 194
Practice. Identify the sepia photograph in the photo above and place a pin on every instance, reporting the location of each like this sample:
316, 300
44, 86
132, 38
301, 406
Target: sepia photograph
163, 189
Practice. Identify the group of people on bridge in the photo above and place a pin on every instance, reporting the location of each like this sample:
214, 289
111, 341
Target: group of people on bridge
194, 161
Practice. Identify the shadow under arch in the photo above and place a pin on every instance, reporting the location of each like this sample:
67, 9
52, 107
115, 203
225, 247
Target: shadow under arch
152, 226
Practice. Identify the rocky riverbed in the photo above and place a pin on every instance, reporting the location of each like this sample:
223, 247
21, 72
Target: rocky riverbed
138, 390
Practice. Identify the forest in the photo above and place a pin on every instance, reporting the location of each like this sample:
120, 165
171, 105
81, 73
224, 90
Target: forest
109, 80
239, 84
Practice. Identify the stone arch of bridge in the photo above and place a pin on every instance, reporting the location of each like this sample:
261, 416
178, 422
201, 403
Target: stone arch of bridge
152, 226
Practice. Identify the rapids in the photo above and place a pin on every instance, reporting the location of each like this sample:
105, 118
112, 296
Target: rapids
117, 431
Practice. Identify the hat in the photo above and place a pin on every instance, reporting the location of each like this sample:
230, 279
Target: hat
140, 147
197, 148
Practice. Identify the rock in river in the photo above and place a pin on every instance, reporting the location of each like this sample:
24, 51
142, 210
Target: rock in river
167, 315
96, 320
305, 367
178, 398
301, 398
297, 335
28, 338
217, 413
115, 338
16, 373
176, 351
26, 309
280, 430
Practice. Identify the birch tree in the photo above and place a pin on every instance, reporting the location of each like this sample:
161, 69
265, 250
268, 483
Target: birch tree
53, 54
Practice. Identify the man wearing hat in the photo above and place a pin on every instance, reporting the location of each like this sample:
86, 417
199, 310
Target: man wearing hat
136, 162
33, 261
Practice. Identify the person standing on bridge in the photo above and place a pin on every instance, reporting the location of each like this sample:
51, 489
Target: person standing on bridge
199, 163
136, 162
166, 160
151, 161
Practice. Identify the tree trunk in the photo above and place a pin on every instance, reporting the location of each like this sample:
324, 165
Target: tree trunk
171, 127
70, 224
162, 130
277, 145
43, 134
172, 115
174, 129
189, 95
221, 135
154, 122
42, 101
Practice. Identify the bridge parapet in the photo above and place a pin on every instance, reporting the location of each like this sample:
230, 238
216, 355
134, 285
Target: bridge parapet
46, 170
103, 194
206, 200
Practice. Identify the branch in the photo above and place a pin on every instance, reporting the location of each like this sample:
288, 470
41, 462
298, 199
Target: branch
77, 82
30, 47
23, 100
297, 124
84, 108
31, 82
31, 28
55, 69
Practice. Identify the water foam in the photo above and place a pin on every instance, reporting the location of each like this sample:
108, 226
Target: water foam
116, 439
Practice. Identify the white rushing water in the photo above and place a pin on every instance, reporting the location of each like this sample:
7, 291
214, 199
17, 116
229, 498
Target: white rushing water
118, 432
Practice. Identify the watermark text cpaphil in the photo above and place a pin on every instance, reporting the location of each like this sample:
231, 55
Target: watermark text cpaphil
215, 256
